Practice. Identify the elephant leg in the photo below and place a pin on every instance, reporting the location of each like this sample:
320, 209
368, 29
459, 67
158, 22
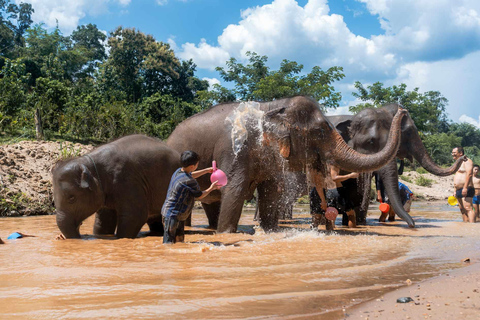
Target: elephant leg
155, 225
105, 222
233, 197
132, 215
212, 210
270, 205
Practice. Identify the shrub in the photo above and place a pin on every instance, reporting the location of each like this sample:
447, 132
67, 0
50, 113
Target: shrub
424, 182
421, 170
406, 178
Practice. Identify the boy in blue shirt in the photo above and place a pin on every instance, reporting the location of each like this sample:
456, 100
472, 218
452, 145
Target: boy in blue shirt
181, 195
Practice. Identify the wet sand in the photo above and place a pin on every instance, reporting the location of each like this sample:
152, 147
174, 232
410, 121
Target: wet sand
452, 295
295, 273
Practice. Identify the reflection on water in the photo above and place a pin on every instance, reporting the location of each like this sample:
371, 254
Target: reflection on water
292, 273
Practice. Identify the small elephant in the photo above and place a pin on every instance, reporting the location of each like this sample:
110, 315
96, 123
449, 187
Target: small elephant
124, 182
254, 143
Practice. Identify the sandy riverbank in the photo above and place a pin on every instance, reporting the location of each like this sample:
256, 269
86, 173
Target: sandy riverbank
453, 295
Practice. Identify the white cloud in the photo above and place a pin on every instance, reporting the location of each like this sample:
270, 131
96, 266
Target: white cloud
68, 12
204, 55
455, 79
212, 81
467, 119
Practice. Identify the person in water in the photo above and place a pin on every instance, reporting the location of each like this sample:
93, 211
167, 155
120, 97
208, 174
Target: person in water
406, 195
182, 192
337, 195
476, 185
464, 190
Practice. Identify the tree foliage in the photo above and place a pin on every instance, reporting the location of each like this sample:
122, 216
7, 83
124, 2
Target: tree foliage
255, 81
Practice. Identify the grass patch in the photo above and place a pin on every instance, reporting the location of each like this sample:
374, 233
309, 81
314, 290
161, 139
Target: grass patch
421, 170
424, 182
406, 178
15, 204
304, 200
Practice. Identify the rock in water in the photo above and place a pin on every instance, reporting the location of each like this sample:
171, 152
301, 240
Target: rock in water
404, 300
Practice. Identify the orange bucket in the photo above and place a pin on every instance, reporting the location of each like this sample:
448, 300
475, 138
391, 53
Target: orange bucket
384, 207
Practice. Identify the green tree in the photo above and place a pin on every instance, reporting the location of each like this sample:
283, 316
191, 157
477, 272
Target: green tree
88, 39
426, 109
256, 82
469, 133
440, 145
246, 77
14, 20
140, 63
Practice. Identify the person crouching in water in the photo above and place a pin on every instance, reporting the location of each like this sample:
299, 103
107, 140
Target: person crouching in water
182, 193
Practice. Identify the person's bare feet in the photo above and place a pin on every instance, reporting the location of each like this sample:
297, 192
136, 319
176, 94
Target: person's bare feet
60, 237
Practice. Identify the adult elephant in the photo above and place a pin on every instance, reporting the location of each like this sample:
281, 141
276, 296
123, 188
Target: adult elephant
124, 182
254, 142
367, 132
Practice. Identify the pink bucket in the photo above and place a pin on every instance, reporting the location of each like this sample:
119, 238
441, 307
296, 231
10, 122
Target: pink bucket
331, 213
218, 175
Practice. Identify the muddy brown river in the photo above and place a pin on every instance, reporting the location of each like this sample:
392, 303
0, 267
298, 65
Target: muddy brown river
292, 274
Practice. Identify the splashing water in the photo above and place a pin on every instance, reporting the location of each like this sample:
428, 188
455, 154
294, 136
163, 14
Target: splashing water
247, 114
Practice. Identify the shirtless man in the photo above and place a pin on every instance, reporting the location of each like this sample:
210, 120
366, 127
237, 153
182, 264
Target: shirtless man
337, 195
464, 190
476, 185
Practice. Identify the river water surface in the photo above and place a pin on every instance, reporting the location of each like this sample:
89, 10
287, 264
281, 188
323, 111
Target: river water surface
292, 274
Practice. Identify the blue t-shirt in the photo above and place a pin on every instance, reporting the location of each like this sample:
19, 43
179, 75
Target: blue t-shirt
405, 189
182, 191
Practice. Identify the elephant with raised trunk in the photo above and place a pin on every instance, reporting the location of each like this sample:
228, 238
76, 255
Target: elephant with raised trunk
255, 142
124, 182
367, 132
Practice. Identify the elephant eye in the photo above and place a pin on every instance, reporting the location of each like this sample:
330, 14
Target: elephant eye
71, 199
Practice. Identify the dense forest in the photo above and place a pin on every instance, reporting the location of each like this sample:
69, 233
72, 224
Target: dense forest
91, 87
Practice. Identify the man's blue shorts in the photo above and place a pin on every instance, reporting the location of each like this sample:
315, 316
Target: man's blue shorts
476, 200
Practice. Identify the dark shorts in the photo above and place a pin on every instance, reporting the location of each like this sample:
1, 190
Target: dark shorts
172, 228
476, 200
338, 198
470, 193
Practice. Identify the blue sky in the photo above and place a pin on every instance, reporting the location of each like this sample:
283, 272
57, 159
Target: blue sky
430, 44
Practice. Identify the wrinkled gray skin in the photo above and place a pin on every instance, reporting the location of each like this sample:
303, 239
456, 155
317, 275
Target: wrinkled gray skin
367, 132
125, 185
278, 143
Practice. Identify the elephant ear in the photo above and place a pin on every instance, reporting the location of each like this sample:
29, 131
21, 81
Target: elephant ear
86, 178
343, 128
276, 128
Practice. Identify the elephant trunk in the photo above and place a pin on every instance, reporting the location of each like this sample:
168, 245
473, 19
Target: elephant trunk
421, 155
353, 161
389, 176
68, 226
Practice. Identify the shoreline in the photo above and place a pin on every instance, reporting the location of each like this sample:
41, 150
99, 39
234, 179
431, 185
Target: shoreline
452, 295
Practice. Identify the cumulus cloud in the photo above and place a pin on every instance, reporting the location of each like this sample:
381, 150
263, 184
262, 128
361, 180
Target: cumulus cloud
212, 81
472, 121
313, 36
67, 13
204, 55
